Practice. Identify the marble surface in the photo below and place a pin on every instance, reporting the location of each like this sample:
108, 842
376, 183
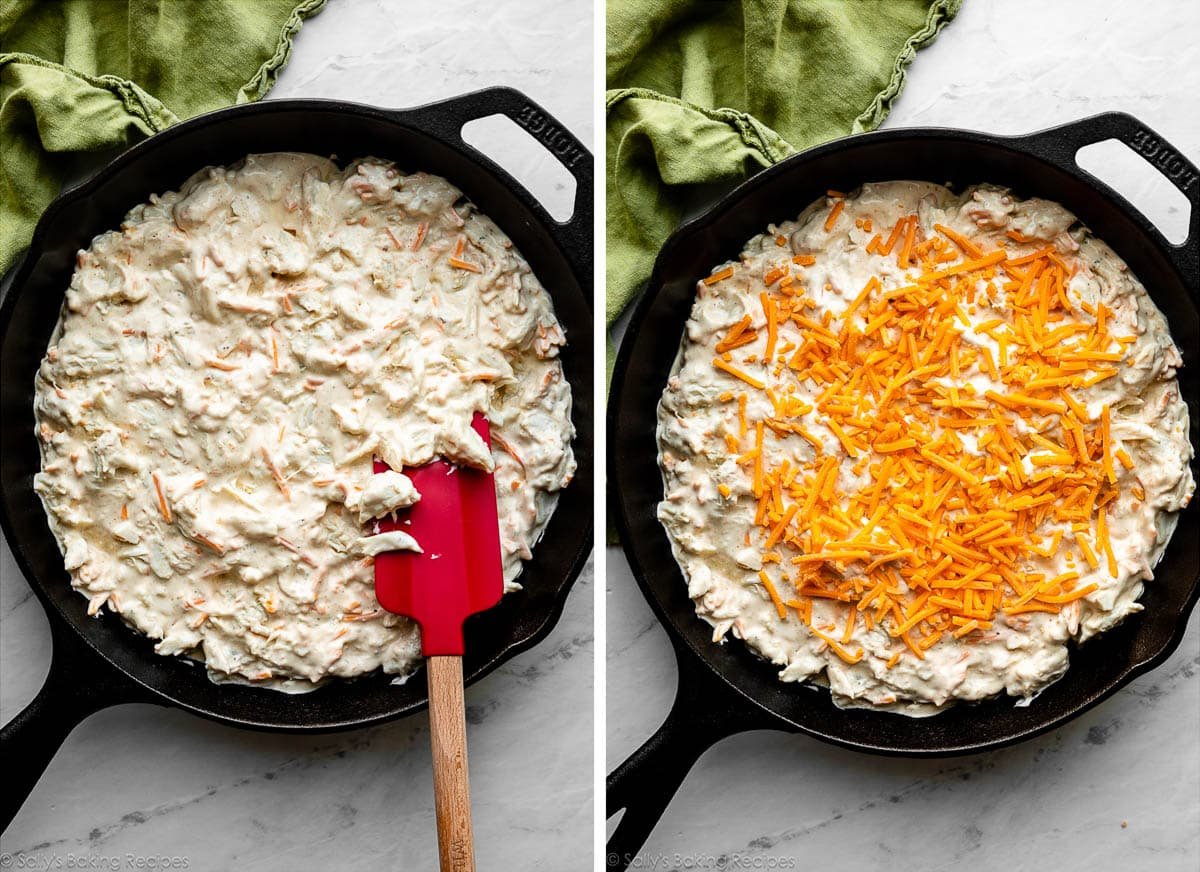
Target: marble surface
1118, 788
140, 782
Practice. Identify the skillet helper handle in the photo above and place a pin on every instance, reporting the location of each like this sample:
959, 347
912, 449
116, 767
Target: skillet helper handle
451, 790
448, 117
1060, 145
78, 684
704, 712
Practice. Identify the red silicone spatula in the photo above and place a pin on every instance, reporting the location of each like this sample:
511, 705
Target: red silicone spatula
459, 573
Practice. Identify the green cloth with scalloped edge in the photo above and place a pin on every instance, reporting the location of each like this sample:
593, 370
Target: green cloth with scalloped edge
85, 76
705, 93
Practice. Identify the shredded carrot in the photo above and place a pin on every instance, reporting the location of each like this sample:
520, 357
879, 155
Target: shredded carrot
458, 263
209, 543
280, 481
163, 508
290, 546
422, 229
508, 448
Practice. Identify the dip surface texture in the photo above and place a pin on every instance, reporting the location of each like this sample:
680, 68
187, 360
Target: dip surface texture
227, 365
916, 442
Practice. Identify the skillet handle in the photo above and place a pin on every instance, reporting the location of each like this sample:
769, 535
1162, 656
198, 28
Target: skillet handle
79, 684
704, 712
1059, 145
447, 118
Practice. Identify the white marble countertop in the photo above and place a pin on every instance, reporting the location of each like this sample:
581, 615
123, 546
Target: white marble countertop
151, 782
1118, 788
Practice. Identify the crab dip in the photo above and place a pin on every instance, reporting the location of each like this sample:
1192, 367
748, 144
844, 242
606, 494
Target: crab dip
916, 442
225, 368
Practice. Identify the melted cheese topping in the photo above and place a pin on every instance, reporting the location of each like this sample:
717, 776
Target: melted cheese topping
225, 368
915, 442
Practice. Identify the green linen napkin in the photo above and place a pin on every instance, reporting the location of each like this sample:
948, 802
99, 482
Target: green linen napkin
81, 76
704, 92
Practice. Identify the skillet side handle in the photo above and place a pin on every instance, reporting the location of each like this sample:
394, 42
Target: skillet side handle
1059, 145
78, 685
704, 712
447, 117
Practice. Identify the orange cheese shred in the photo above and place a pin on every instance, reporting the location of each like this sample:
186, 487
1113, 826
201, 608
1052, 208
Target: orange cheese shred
718, 276
921, 501
737, 373
834, 213
773, 594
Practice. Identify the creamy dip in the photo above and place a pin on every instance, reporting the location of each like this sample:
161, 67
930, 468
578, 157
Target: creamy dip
915, 442
227, 365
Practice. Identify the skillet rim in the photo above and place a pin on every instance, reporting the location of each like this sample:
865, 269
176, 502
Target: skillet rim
701, 667
418, 120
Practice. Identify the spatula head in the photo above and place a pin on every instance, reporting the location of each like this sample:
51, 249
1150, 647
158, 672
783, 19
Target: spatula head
460, 571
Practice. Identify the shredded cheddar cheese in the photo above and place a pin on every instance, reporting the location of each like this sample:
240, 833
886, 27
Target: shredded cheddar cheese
961, 485
915, 442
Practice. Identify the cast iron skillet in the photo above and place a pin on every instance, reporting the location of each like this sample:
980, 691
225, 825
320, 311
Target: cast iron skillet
101, 662
725, 689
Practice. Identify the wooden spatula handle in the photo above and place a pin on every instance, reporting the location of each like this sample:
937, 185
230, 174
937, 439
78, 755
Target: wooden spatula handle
451, 791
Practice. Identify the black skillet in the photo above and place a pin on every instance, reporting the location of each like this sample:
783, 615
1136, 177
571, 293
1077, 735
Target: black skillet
99, 662
725, 689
